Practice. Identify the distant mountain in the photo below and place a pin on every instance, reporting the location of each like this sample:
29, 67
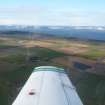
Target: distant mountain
82, 32
12, 32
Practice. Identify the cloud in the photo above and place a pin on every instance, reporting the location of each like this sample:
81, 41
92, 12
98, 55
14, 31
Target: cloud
7, 21
76, 18
45, 16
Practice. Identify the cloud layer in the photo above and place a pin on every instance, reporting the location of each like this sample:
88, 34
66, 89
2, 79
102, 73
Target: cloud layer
49, 16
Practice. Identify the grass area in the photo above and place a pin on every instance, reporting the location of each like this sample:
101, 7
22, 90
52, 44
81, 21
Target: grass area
14, 59
12, 79
94, 51
5, 46
20, 56
91, 88
92, 54
47, 53
3, 92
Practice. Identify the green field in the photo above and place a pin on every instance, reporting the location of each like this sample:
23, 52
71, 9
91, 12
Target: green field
94, 52
91, 88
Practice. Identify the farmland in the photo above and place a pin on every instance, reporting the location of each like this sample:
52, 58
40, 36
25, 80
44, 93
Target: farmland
18, 57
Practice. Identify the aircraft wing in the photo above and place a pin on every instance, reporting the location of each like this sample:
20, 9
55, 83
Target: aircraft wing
48, 85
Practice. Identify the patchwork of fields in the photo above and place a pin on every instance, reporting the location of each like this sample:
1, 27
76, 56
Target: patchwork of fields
18, 57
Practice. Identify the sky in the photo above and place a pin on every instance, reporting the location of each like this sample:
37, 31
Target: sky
52, 12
